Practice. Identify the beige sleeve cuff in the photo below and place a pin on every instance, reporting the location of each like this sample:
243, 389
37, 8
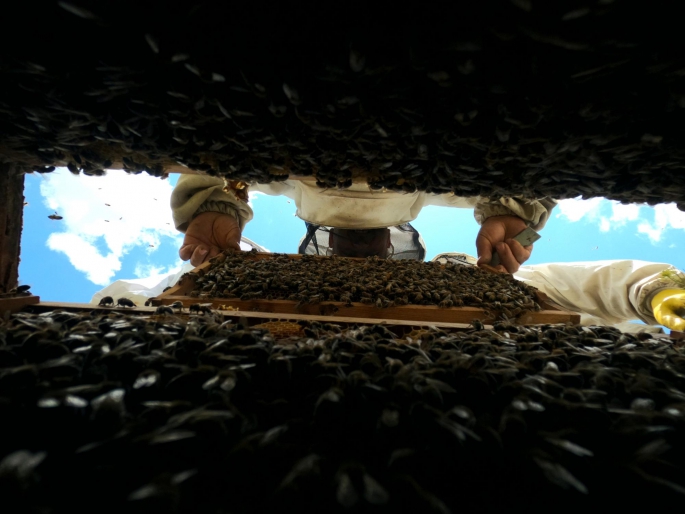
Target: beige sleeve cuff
534, 212
195, 194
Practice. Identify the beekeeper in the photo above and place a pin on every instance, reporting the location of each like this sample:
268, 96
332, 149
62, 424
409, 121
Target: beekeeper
353, 222
213, 215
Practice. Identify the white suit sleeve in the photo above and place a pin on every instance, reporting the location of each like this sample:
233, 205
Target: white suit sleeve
615, 291
535, 212
195, 194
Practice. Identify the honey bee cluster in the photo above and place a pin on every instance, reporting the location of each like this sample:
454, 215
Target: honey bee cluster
372, 281
161, 414
498, 98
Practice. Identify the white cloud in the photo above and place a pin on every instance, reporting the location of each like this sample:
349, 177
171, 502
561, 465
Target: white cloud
156, 273
576, 209
609, 215
666, 216
85, 257
595, 210
252, 196
138, 214
621, 213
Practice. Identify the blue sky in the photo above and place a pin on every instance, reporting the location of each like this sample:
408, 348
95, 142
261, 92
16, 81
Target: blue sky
70, 259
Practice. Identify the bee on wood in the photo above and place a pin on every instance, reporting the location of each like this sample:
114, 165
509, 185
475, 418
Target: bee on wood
163, 309
20, 289
107, 301
194, 307
177, 305
125, 302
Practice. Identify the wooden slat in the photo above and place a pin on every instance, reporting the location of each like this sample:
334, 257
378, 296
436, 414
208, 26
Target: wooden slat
46, 306
17, 303
252, 317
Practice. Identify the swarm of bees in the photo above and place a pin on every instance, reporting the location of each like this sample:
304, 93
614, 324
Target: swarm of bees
503, 98
160, 414
378, 282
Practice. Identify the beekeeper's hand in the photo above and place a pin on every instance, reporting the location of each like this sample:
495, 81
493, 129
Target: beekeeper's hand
496, 235
209, 234
669, 308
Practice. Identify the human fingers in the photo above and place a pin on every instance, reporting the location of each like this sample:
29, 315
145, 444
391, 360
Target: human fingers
186, 251
521, 253
227, 233
507, 258
199, 255
484, 249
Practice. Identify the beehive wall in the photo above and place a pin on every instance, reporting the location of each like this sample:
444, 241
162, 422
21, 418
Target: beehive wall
11, 219
487, 98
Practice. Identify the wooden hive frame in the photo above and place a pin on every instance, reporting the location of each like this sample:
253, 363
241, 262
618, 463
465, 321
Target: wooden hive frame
337, 311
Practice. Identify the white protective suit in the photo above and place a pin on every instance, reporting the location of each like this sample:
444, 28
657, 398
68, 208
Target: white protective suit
355, 208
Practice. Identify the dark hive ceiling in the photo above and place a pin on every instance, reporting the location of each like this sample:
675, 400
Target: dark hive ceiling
496, 97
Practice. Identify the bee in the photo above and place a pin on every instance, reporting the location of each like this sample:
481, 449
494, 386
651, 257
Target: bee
177, 305
163, 309
20, 289
107, 301
125, 302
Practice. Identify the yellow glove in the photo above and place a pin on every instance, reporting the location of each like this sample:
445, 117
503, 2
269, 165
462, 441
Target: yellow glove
669, 308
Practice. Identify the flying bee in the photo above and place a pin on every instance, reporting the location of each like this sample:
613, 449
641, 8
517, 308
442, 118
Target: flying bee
177, 305
125, 302
107, 301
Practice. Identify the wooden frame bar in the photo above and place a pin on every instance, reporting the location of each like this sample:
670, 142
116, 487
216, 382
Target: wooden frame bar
17, 303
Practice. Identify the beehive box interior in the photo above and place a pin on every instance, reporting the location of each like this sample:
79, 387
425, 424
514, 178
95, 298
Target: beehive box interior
263, 412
